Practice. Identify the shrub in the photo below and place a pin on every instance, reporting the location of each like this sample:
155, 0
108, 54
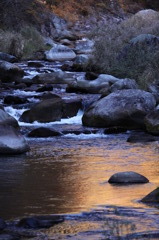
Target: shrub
22, 44
140, 62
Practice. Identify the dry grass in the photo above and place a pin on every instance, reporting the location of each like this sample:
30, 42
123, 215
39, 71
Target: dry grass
141, 62
22, 44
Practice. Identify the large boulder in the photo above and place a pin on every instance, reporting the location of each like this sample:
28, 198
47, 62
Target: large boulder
6, 119
46, 111
7, 57
128, 178
9, 72
125, 108
152, 197
148, 15
152, 122
60, 53
11, 141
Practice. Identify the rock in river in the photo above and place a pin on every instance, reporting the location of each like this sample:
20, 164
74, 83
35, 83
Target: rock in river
6, 119
127, 178
60, 53
40, 221
124, 108
152, 197
11, 141
43, 132
10, 72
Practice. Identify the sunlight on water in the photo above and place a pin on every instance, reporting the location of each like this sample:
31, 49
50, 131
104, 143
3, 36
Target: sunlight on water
67, 175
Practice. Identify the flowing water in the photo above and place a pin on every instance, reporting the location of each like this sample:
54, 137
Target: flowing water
69, 175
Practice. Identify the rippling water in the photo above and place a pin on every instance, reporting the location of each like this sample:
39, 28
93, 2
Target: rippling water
69, 175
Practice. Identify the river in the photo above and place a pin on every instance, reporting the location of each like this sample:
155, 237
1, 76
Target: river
69, 175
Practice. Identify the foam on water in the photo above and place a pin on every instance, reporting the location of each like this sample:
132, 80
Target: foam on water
25, 93
86, 136
16, 113
32, 72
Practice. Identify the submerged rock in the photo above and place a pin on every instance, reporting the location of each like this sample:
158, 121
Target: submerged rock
43, 132
40, 221
128, 178
141, 137
152, 197
124, 108
11, 141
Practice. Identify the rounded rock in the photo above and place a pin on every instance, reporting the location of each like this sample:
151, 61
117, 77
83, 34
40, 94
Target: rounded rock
127, 178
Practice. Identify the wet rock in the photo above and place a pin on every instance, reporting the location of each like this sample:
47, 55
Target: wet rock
91, 75
49, 110
11, 141
141, 137
43, 132
66, 67
60, 53
94, 86
9, 72
114, 130
71, 108
2, 224
124, 84
35, 64
7, 57
20, 86
128, 178
81, 61
47, 87
40, 221
49, 95
152, 122
152, 197
6, 119
124, 108
14, 100
51, 78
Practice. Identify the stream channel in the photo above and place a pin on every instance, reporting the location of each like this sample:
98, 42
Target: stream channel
68, 175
